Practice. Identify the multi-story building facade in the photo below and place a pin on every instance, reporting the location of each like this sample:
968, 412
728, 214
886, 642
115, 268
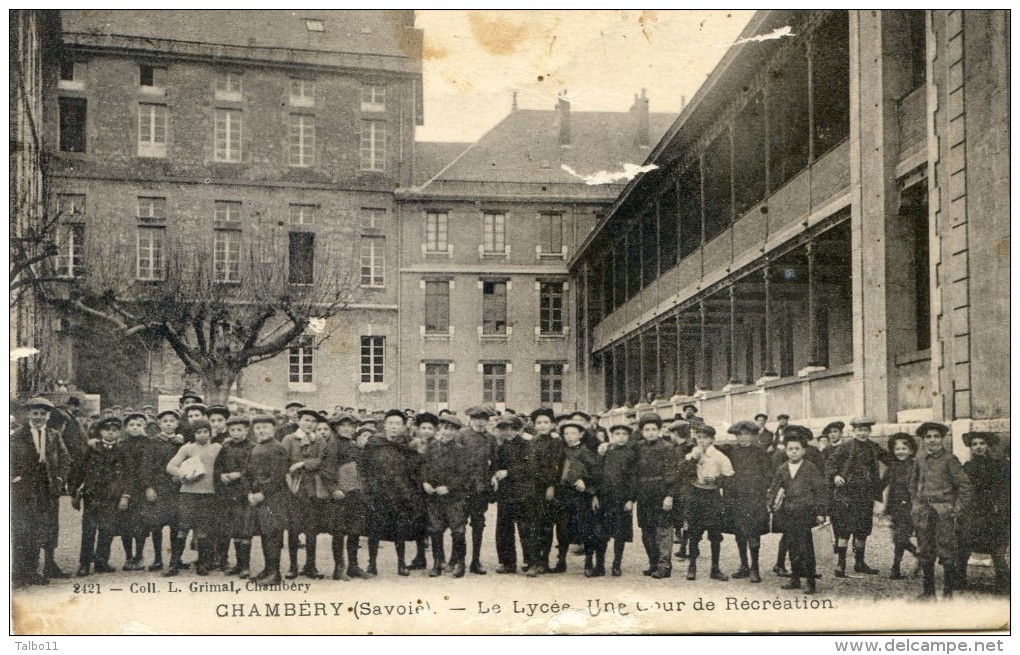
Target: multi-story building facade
484, 244
188, 128
825, 234
34, 47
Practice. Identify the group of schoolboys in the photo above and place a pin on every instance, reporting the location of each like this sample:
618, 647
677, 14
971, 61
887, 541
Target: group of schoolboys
225, 477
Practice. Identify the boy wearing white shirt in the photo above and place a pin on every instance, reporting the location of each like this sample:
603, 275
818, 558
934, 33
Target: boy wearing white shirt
707, 467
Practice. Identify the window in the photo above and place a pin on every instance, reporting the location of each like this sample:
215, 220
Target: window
70, 260
373, 146
494, 232
373, 261
227, 256
151, 77
918, 46
150, 253
313, 25
228, 86
372, 218
302, 140
228, 135
493, 307
302, 93
302, 214
373, 97
717, 187
227, 211
73, 114
437, 307
436, 231
151, 209
493, 383
302, 257
71, 204
830, 71
551, 308
152, 121
551, 232
301, 361
550, 381
72, 74
437, 383
372, 350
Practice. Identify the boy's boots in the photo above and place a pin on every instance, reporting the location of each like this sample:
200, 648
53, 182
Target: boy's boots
437, 555
928, 590
717, 573
755, 574
860, 566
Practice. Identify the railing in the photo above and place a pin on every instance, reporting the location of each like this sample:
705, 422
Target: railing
812, 400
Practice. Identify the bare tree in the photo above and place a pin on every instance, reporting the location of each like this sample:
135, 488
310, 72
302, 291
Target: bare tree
219, 312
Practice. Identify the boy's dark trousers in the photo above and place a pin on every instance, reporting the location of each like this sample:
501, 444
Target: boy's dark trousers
936, 537
802, 552
519, 514
96, 534
656, 532
554, 517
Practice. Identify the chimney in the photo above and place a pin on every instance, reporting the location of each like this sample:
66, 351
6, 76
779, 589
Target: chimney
640, 109
563, 107
513, 106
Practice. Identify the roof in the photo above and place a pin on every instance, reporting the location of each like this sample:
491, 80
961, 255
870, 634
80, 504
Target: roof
523, 152
360, 32
430, 157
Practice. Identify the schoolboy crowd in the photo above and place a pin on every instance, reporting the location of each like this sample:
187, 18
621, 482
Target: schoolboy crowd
401, 476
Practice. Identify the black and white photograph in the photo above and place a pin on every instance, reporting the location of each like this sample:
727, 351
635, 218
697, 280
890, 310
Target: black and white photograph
509, 322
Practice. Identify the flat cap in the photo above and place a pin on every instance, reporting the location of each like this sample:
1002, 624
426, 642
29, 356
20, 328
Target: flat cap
294, 403
744, 426
308, 411
621, 426
218, 410
798, 432
780, 417
199, 406
201, 424
649, 418
509, 421
171, 412
990, 438
703, 430
263, 418
189, 395
835, 425
577, 412
426, 417
931, 425
478, 411
108, 423
543, 411
39, 401
239, 420
690, 406
134, 415
343, 417
399, 413
570, 424
862, 421
450, 419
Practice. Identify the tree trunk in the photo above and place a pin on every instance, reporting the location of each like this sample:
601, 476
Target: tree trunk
216, 384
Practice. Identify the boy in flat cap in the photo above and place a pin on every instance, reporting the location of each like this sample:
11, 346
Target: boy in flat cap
231, 475
162, 510
392, 478
548, 456
218, 415
617, 495
577, 492
830, 437
309, 503
752, 473
896, 481
765, 435
656, 478
290, 422
193, 467
519, 493
445, 480
708, 469
797, 497
480, 452
351, 512
137, 489
95, 482
853, 472
984, 528
940, 493
268, 495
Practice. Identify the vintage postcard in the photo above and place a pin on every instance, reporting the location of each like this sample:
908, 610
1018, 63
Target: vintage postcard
336, 322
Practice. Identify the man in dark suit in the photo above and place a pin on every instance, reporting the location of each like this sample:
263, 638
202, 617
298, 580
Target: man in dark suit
39, 468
